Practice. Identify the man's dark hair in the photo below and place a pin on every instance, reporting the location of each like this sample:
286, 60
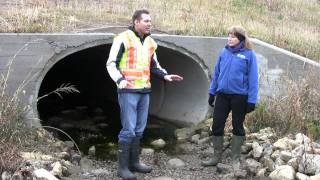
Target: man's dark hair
137, 14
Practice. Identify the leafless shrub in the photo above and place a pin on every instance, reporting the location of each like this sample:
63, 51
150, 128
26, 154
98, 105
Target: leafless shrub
298, 109
15, 135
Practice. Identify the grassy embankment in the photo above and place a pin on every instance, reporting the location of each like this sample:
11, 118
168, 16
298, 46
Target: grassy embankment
290, 24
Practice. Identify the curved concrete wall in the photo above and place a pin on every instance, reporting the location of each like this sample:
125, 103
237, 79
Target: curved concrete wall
35, 55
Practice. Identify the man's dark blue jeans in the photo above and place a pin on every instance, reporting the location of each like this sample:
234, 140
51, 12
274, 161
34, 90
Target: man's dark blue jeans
134, 109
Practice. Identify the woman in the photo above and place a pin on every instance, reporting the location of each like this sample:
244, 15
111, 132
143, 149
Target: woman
234, 87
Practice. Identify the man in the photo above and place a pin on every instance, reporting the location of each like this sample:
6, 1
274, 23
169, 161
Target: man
131, 60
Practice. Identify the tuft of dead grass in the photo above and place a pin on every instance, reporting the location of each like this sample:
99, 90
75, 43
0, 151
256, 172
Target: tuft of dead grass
15, 134
295, 110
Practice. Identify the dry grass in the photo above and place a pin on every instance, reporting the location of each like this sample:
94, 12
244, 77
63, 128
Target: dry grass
14, 134
296, 110
290, 24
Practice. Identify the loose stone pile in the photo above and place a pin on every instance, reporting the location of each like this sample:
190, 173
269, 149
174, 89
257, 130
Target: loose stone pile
264, 155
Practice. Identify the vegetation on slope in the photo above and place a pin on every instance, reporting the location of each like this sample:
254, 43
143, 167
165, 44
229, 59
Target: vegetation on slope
290, 24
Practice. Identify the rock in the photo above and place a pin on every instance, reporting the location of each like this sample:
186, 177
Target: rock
279, 162
41, 133
184, 134
44, 174
300, 176
37, 164
252, 136
70, 114
69, 144
100, 173
240, 173
294, 162
204, 134
162, 178
64, 155
300, 150
75, 159
204, 125
267, 130
65, 171
204, 140
315, 177
92, 151
229, 176
224, 168
158, 144
184, 148
302, 139
59, 145
286, 156
261, 172
17, 176
5, 176
267, 149
316, 150
195, 138
176, 163
246, 148
81, 109
316, 144
74, 170
65, 163
283, 144
284, 172
102, 125
269, 164
263, 137
257, 150
310, 164
86, 164
226, 144
56, 169
275, 155
265, 134
253, 165
147, 152
99, 118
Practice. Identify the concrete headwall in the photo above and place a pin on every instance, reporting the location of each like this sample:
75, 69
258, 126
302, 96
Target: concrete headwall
30, 58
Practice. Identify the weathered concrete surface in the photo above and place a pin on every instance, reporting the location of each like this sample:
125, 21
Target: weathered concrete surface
34, 55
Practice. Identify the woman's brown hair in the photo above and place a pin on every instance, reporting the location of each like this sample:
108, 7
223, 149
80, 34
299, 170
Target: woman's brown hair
240, 30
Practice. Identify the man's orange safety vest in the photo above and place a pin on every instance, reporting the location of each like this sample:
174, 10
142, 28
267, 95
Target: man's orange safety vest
135, 61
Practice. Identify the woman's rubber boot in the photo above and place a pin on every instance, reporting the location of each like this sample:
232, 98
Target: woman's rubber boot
123, 159
236, 144
135, 164
217, 146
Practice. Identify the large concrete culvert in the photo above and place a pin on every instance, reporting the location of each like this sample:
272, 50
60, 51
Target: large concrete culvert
179, 102
50, 59
84, 69
182, 102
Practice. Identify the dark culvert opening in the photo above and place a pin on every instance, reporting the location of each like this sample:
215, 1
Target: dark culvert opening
91, 117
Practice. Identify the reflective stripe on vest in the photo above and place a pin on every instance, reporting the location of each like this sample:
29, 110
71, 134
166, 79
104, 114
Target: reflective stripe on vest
135, 61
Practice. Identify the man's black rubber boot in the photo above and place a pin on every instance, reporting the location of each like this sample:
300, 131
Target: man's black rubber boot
123, 159
135, 164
